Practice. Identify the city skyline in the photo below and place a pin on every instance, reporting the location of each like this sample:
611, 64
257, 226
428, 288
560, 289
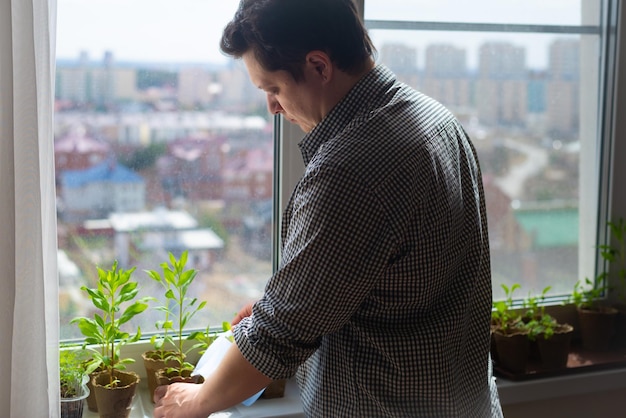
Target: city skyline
471, 60
189, 30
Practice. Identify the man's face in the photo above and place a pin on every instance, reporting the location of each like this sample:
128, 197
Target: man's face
299, 103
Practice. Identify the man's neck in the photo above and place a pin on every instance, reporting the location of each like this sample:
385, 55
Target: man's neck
344, 82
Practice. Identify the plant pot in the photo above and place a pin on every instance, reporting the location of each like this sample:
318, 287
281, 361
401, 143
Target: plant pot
73, 407
620, 326
115, 402
276, 389
597, 327
513, 351
554, 351
91, 399
153, 363
163, 377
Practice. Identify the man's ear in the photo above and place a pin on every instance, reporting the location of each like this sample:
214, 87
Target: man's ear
320, 65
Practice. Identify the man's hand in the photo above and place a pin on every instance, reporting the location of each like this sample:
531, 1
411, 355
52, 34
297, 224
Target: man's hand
243, 313
234, 380
177, 400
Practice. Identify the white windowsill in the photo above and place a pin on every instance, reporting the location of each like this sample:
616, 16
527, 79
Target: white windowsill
511, 392
287, 407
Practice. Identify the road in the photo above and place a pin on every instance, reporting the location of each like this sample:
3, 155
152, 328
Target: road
535, 160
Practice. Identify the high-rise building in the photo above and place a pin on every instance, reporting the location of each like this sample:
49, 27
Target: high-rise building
502, 84
402, 60
194, 87
235, 92
562, 104
101, 85
446, 77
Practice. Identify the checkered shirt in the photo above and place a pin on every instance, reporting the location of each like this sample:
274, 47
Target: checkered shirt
382, 300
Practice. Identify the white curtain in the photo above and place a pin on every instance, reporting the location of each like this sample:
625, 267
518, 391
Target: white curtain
28, 270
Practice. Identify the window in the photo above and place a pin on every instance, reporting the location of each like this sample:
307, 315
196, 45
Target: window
152, 100
161, 144
523, 77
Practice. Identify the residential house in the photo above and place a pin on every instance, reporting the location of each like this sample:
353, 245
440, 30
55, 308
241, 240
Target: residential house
99, 190
162, 231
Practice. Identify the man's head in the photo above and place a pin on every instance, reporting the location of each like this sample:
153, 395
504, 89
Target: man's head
305, 54
280, 33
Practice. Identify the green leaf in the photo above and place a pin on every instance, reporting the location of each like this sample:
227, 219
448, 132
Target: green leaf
131, 311
154, 275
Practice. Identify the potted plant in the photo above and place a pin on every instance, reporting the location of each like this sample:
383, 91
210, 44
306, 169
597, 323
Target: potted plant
73, 376
161, 356
552, 338
533, 311
510, 333
115, 301
206, 337
616, 256
596, 320
178, 311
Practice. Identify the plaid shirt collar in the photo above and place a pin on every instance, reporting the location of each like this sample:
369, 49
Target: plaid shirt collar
362, 95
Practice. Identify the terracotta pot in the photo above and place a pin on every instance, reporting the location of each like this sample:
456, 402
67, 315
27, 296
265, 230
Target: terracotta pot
165, 378
597, 327
115, 402
554, 351
91, 399
513, 351
153, 363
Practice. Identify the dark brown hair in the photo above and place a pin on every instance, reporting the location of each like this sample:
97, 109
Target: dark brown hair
282, 32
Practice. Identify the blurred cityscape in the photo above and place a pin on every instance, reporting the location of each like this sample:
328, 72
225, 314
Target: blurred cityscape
153, 158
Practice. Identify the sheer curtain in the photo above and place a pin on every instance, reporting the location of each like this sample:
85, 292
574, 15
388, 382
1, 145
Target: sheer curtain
28, 270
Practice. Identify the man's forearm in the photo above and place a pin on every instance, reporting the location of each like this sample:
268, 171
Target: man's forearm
234, 381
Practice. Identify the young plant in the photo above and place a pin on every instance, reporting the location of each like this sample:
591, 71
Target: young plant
587, 294
504, 317
534, 305
206, 337
114, 291
617, 255
178, 309
543, 325
73, 371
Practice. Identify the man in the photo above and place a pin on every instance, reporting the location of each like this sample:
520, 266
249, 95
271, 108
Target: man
381, 304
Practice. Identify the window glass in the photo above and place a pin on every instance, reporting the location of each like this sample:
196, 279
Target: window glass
161, 144
536, 12
529, 102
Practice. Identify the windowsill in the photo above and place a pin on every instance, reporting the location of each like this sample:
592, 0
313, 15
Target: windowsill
511, 392
286, 407
583, 383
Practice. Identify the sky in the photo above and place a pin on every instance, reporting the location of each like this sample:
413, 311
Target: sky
189, 30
